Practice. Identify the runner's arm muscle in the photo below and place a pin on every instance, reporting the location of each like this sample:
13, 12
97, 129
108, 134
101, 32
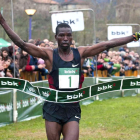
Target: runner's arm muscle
28, 47
97, 48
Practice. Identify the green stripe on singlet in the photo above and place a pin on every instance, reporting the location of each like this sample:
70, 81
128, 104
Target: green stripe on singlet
68, 71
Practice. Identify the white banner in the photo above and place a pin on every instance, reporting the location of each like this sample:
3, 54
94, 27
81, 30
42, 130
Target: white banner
74, 19
134, 44
121, 31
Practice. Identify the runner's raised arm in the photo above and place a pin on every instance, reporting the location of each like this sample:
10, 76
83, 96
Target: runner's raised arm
28, 47
97, 48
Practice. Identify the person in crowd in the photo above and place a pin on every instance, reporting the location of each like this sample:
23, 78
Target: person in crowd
4, 53
47, 45
122, 70
51, 44
23, 58
37, 42
33, 41
115, 67
15, 56
46, 41
4, 67
40, 61
88, 67
11, 51
29, 63
14, 69
61, 117
102, 60
73, 44
41, 44
2, 74
17, 49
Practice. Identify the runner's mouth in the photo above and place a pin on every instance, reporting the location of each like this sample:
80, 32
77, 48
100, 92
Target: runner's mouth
65, 43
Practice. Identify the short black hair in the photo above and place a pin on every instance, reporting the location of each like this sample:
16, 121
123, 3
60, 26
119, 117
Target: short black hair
5, 49
62, 25
40, 42
9, 58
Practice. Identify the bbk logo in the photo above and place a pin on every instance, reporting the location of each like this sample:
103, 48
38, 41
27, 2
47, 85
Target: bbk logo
66, 21
32, 89
32, 101
118, 33
69, 97
9, 83
137, 83
69, 71
105, 87
2, 108
18, 104
25, 103
9, 107
46, 94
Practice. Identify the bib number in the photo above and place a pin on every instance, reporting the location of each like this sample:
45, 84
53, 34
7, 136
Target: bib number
68, 78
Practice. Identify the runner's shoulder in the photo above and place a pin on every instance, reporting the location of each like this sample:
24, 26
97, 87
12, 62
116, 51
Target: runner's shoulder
47, 49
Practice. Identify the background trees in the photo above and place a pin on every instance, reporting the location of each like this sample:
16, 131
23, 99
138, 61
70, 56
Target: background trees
106, 11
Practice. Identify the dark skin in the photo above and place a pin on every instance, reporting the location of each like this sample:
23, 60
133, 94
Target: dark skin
64, 38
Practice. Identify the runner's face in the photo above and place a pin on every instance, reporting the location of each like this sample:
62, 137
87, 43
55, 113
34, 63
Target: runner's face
64, 38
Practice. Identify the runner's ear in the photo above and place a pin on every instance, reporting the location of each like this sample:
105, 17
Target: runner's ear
56, 37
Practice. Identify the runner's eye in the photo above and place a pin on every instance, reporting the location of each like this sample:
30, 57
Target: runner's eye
61, 35
69, 35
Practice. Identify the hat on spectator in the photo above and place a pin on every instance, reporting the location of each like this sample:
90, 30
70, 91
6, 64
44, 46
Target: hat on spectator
122, 53
121, 49
105, 52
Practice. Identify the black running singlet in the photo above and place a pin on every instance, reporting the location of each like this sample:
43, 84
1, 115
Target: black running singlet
66, 75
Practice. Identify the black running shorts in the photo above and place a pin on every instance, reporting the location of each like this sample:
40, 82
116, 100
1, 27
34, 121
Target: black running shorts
61, 112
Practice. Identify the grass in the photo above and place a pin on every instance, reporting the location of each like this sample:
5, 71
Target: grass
113, 119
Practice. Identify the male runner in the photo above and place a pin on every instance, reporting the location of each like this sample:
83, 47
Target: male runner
60, 117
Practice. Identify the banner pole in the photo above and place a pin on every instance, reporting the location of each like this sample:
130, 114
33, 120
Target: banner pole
15, 113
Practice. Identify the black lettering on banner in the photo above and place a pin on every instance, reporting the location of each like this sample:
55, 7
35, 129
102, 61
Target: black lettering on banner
58, 22
72, 21
123, 33
113, 33
65, 21
118, 33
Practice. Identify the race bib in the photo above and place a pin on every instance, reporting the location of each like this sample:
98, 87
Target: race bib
68, 78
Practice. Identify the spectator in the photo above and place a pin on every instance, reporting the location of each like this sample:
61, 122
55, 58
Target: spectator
14, 69
2, 74
41, 44
51, 44
31, 41
4, 53
41, 62
46, 41
30, 63
23, 58
88, 67
37, 42
73, 44
14, 64
4, 68
47, 45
